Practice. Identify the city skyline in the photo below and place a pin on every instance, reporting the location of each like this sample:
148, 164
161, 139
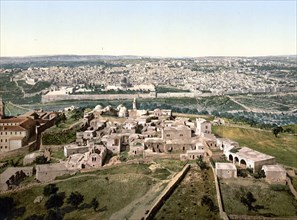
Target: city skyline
157, 28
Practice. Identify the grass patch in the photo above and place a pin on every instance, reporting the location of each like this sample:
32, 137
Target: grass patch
123, 185
185, 202
171, 164
283, 148
277, 201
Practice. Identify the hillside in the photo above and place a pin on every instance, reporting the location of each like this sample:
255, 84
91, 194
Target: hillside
283, 148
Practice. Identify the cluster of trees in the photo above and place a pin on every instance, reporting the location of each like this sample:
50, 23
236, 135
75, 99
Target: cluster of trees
8, 209
58, 138
248, 200
55, 200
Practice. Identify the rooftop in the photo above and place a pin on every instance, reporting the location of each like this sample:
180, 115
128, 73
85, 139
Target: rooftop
225, 166
252, 155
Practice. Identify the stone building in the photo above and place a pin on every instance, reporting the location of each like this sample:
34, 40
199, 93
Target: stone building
275, 174
155, 144
225, 170
202, 126
248, 158
16, 132
181, 132
74, 149
48, 172
113, 142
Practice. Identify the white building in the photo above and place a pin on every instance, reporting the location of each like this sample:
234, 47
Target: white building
225, 170
202, 126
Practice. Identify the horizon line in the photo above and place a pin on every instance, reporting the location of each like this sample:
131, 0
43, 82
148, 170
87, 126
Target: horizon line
145, 56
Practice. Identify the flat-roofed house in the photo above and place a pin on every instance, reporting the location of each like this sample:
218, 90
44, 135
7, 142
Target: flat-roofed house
275, 174
226, 170
247, 158
202, 126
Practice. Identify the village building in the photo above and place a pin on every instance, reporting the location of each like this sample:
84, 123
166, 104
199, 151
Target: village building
48, 172
16, 132
93, 158
275, 174
225, 144
155, 144
74, 149
248, 158
113, 142
202, 126
225, 170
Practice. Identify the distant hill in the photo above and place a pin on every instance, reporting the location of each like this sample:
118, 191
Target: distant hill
63, 58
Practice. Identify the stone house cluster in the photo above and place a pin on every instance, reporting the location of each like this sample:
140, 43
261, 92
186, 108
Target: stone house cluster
140, 132
243, 158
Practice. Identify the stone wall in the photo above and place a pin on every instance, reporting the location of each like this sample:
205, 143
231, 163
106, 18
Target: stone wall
176, 95
167, 192
20, 151
223, 214
53, 98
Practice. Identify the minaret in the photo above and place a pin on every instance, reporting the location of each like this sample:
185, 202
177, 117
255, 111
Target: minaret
134, 104
1, 108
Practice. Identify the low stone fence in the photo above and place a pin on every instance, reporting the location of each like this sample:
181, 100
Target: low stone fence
249, 217
21, 151
291, 187
223, 214
167, 192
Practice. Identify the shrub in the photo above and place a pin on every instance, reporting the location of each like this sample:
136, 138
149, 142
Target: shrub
50, 189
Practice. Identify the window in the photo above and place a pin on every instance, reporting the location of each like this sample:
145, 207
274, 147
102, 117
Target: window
181, 135
167, 135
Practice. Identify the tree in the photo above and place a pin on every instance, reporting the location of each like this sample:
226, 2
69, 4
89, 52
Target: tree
50, 189
277, 130
41, 160
208, 202
201, 163
95, 204
75, 199
55, 200
248, 200
54, 215
6, 206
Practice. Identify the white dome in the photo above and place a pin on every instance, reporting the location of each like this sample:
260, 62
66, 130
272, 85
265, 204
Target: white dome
98, 107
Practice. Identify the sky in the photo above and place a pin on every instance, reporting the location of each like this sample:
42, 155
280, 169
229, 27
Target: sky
148, 28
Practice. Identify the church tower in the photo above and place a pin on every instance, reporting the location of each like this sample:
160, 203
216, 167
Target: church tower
1, 108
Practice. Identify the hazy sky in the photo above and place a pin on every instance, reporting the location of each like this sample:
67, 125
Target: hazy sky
156, 28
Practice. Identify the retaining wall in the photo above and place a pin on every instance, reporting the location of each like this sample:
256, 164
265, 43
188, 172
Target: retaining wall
223, 214
21, 151
167, 192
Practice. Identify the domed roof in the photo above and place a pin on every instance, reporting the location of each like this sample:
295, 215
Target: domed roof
98, 107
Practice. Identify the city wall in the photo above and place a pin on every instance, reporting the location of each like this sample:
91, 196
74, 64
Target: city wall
52, 98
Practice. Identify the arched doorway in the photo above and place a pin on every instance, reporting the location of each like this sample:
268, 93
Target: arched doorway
236, 160
243, 163
231, 157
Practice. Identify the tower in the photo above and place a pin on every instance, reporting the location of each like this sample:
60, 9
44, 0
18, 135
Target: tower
134, 104
1, 108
